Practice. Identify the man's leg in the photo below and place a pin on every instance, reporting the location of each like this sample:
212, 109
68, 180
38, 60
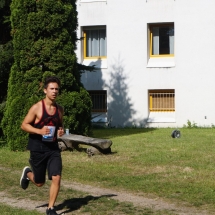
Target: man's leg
30, 176
26, 177
38, 165
54, 173
54, 189
36, 174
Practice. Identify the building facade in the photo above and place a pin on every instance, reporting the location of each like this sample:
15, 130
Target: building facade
155, 60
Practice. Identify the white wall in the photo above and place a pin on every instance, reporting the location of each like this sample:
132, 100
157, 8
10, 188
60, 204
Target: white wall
125, 73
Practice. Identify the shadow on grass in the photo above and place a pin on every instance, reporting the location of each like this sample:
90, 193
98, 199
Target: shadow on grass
108, 133
76, 203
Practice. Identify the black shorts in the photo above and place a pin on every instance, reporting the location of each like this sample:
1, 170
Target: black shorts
40, 161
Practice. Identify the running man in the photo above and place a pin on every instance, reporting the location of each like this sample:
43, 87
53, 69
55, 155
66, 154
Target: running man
44, 122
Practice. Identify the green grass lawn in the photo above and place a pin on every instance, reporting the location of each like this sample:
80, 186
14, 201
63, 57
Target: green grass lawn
6, 210
143, 161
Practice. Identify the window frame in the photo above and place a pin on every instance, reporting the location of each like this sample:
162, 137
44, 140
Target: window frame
171, 107
103, 107
151, 39
85, 41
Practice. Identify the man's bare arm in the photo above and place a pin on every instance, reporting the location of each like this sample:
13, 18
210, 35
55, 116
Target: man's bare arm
30, 119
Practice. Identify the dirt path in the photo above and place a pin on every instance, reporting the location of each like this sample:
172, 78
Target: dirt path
122, 196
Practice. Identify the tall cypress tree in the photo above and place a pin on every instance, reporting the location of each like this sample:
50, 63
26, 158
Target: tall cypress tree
6, 53
44, 38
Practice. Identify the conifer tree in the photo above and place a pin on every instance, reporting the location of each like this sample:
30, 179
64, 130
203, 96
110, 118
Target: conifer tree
44, 38
6, 54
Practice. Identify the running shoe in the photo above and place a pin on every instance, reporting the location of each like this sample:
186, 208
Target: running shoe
24, 181
51, 211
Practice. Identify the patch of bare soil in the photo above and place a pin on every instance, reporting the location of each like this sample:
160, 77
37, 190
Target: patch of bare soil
121, 196
136, 200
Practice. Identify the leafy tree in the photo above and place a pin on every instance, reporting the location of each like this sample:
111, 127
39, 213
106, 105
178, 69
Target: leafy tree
6, 49
44, 38
6, 53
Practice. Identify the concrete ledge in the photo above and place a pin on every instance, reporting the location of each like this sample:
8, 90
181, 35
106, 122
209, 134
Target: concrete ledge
161, 62
161, 117
99, 63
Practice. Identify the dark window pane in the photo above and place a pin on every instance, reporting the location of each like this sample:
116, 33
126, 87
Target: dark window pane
164, 40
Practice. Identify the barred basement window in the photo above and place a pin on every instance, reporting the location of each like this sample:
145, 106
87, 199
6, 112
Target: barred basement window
99, 100
161, 100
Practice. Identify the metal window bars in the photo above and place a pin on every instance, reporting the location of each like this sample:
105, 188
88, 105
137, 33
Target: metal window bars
161, 101
99, 100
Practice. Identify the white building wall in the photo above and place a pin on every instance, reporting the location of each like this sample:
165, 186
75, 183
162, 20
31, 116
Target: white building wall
125, 73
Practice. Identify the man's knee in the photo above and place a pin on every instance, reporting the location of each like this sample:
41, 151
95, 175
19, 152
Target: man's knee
39, 184
56, 178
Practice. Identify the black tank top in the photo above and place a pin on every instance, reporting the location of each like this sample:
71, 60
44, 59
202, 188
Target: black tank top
36, 142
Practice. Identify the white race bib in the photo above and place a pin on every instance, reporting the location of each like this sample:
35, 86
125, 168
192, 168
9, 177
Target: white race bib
49, 137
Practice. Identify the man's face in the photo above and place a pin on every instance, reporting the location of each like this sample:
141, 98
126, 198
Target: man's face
52, 90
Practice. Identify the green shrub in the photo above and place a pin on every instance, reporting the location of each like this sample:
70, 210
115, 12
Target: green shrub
190, 125
77, 109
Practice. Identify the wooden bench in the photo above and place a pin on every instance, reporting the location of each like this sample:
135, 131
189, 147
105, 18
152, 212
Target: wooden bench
72, 141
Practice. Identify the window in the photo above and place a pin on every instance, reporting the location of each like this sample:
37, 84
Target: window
161, 100
161, 40
99, 100
95, 42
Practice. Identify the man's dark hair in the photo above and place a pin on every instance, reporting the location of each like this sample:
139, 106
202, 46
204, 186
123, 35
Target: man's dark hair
51, 79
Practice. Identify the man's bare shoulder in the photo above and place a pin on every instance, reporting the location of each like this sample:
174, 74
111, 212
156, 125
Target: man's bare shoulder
36, 107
